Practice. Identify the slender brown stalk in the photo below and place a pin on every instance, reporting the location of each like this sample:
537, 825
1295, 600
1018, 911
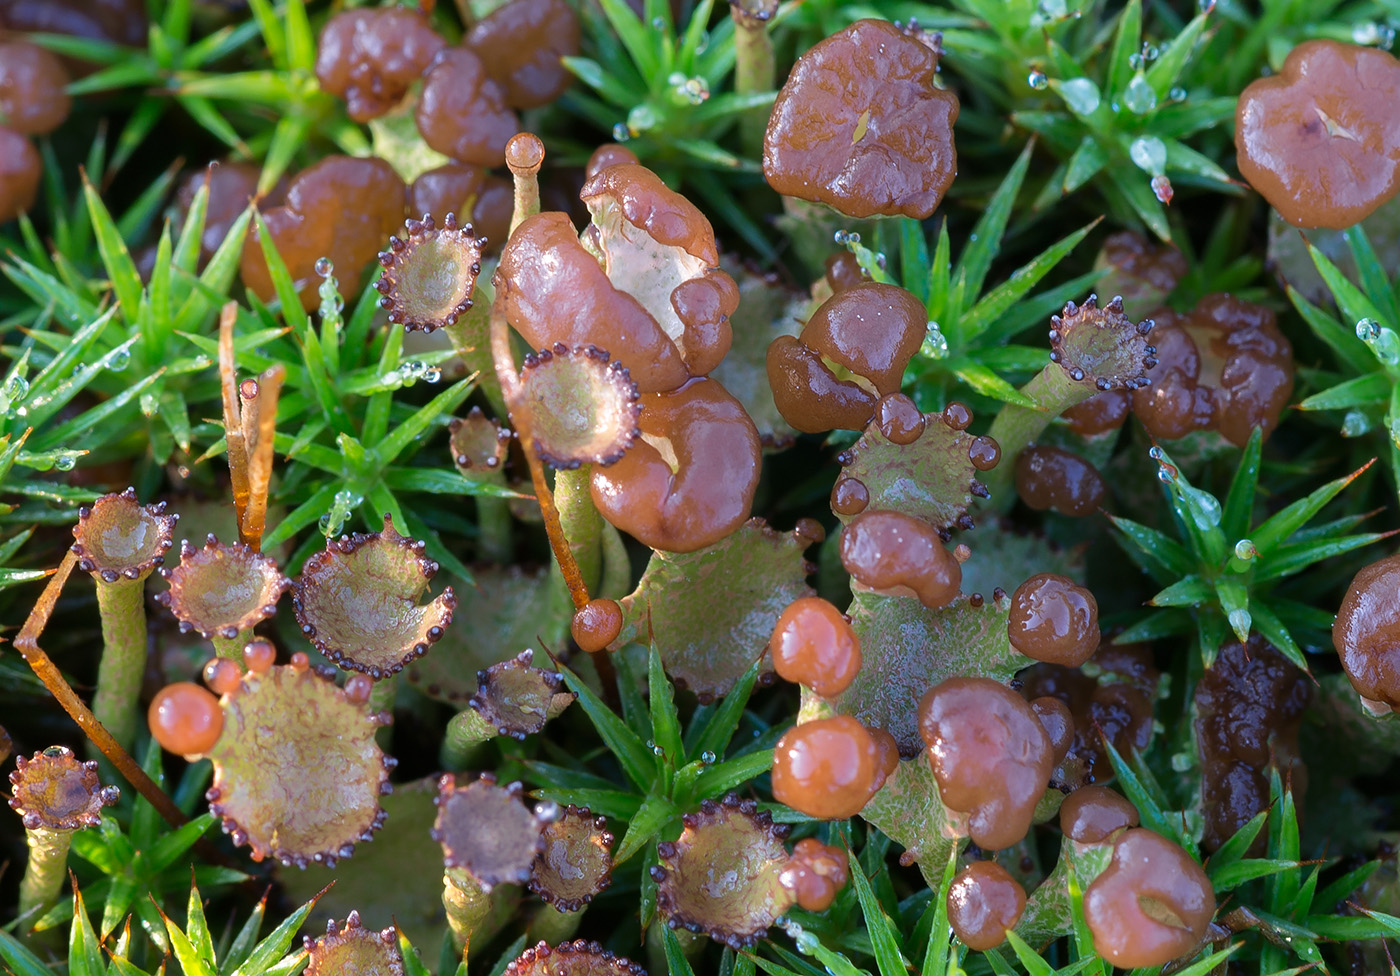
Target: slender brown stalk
262, 420
233, 424
27, 643
520, 419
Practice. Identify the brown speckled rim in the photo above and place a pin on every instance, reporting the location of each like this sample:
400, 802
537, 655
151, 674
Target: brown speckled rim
52, 790
368, 951
1102, 347
517, 698
577, 958
457, 244
215, 564
145, 531
583, 842
554, 381
487, 830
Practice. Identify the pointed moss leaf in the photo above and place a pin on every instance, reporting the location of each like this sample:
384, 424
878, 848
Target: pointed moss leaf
190, 959
931, 479
116, 259
270, 950
1236, 847
1371, 390
907, 648
999, 300
665, 723
1035, 965
910, 811
716, 732
884, 935
635, 758
1149, 801
413, 901
767, 309
1193, 591
713, 610
1239, 502
1282, 524
1162, 556
508, 609
84, 950
655, 813
732, 773
985, 240
984, 381
1234, 875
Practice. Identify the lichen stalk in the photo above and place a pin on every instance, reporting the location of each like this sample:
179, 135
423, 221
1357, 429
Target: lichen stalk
548, 924
27, 643
232, 647
1016, 428
582, 524
472, 911
524, 156
754, 71
43, 873
465, 733
116, 703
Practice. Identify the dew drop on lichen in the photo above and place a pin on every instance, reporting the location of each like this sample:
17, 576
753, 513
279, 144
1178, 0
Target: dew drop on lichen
1038, 81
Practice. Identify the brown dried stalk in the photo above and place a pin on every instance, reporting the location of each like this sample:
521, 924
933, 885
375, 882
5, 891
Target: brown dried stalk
27, 643
250, 421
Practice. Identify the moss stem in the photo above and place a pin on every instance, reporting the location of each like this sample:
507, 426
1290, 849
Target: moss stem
43, 874
494, 526
1017, 427
116, 703
754, 71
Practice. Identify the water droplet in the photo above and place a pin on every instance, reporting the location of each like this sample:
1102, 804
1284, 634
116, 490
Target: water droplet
1355, 424
1140, 97
118, 360
1038, 81
1177, 94
1384, 342
1135, 61
65, 462
1149, 52
150, 403
620, 133
841, 237
1244, 549
1162, 189
703, 44
1149, 154
1183, 762
547, 811
708, 758
16, 388
935, 344
324, 267
853, 237
1240, 622
1081, 95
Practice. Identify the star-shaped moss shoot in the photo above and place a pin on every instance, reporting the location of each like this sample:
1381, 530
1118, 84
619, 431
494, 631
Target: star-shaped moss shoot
357, 601
429, 273
584, 407
118, 538
577, 958
487, 831
722, 876
353, 950
297, 772
576, 862
222, 590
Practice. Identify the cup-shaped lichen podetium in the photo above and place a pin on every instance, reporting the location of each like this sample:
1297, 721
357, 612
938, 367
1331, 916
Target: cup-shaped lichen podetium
353, 950
119, 541
722, 876
576, 862
583, 405
577, 958
429, 273
357, 601
54, 794
222, 591
297, 773
512, 698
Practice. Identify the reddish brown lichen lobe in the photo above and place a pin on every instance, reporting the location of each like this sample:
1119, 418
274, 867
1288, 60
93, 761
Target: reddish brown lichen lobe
1094, 814
1049, 477
828, 768
814, 645
33, 88
1367, 633
1054, 619
1317, 140
522, 45
984, 901
371, 57
897, 554
462, 111
860, 125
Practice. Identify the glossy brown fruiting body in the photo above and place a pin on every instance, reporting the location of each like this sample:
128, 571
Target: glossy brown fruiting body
185, 719
353, 950
1143, 274
691, 478
371, 57
429, 273
222, 589
1152, 904
814, 645
116, 21
1319, 140
1049, 477
222, 676
596, 624
843, 271
721, 877
1093, 814
852, 351
577, 958
1223, 366
576, 863
984, 901
897, 554
463, 189
826, 768
342, 209
990, 756
462, 112
1100, 414
1058, 723
1116, 706
118, 538
1054, 619
53, 790
608, 154
20, 172
357, 601
522, 43
486, 830
232, 185
1366, 633
1249, 707
860, 125
33, 88
584, 407
815, 874
1101, 347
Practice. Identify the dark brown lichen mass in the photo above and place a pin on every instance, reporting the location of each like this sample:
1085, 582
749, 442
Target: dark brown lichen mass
522, 44
1249, 706
860, 125
371, 57
1367, 632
